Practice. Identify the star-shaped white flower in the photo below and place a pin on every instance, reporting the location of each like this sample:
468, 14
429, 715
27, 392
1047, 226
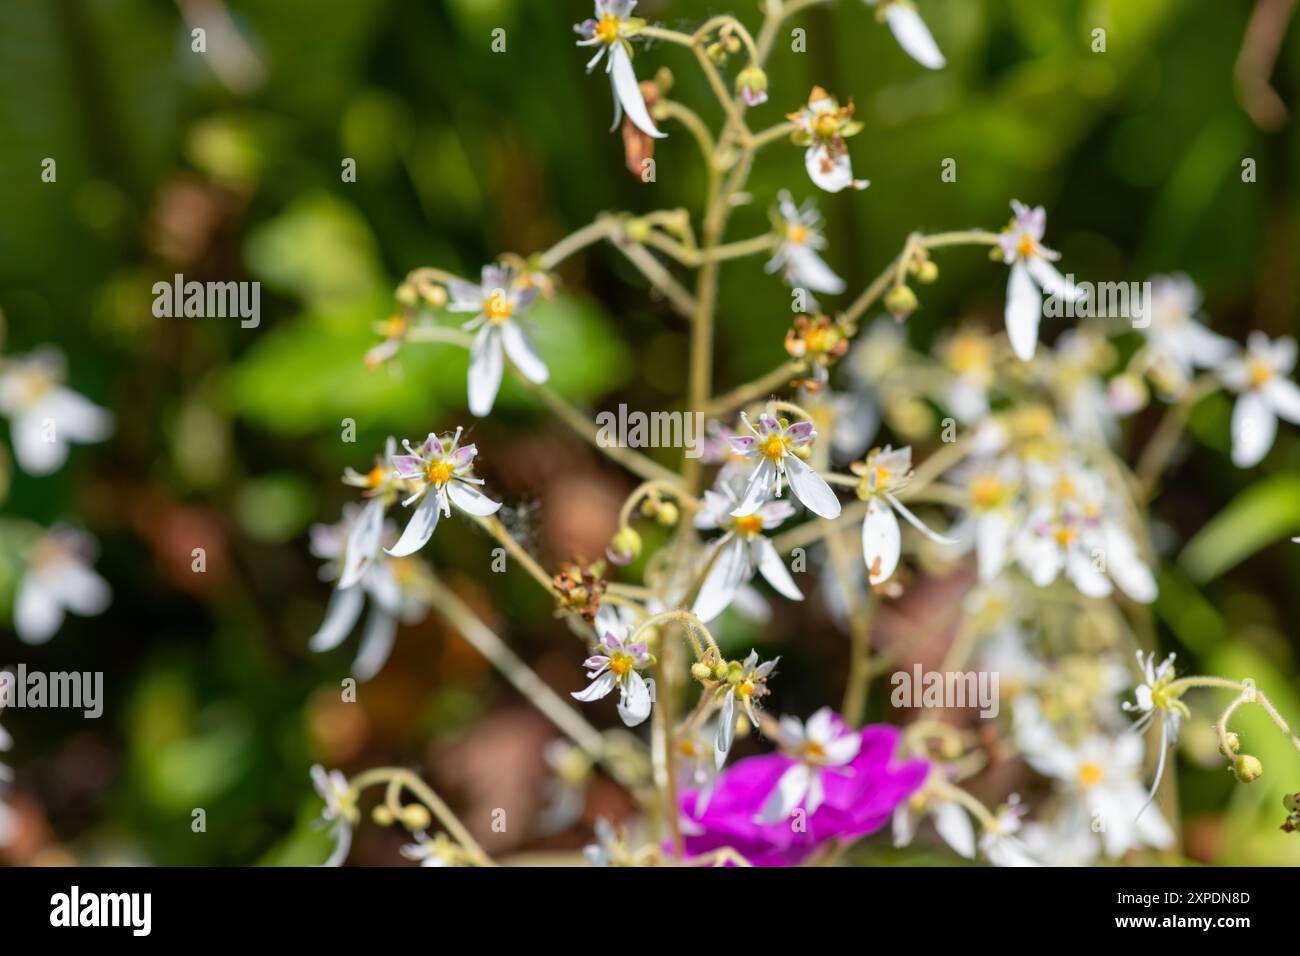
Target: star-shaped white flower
823, 126
773, 445
1265, 394
611, 29
796, 257
1032, 274
885, 472
498, 303
58, 579
740, 552
618, 666
44, 416
441, 473
824, 743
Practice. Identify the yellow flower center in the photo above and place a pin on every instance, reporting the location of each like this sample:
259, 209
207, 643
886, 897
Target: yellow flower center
749, 525
987, 492
620, 664
968, 353
1260, 373
1027, 246
498, 307
1064, 535
797, 233
375, 477
826, 125
745, 689
1064, 488
33, 386
773, 447
439, 472
607, 28
813, 751
1090, 775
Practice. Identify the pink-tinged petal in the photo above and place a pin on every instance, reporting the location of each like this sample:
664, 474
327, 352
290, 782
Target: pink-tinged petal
464, 456
767, 425
801, 433
775, 512
465, 296
742, 444
612, 642
432, 447
406, 466
595, 662
881, 541
419, 529
1024, 312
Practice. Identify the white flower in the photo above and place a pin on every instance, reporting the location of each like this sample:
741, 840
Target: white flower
1152, 698
442, 475
823, 125
993, 509
740, 552
1070, 528
566, 788
796, 257
1265, 394
1102, 789
58, 579
696, 767
610, 30
773, 446
1177, 343
395, 588
43, 415
746, 685
619, 666
438, 851
498, 303
969, 355
951, 822
883, 473
1031, 270
365, 535
910, 31
824, 743
340, 814
999, 841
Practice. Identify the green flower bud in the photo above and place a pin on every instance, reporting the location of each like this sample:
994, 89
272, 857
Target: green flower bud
638, 230
382, 815
667, 514
1233, 744
406, 296
1292, 802
1247, 768
701, 671
901, 301
415, 816
927, 271
721, 670
751, 77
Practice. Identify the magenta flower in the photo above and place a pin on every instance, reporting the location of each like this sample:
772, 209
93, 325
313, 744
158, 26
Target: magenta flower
858, 800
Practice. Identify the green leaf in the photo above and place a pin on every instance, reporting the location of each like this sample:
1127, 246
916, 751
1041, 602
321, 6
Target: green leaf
1264, 513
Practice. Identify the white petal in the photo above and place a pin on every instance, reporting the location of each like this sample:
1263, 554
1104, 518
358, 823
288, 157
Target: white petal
881, 541
1053, 283
37, 614
1253, 428
904, 825
628, 91
522, 353
1024, 312
786, 795
992, 531
1284, 396
729, 570
376, 644
420, 528
363, 542
811, 271
917, 523
1087, 578
80, 589
340, 616
1122, 560
634, 703
75, 417
832, 175
810, 488
468, 498
485, 367
954, 826
913, 36
774, 570
726, 735
757, 490
36, 455
597, 689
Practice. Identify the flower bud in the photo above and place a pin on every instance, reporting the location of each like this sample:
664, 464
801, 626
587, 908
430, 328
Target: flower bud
667, 514
638, 230
415, 816
733, 44
716, 52
1292, 802
382, 815
406, 295
1247, 768
1126, 394
1233, 744
900, 302
626, 546
927, 271
721, 670
735, 671
701, 671
751, 78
